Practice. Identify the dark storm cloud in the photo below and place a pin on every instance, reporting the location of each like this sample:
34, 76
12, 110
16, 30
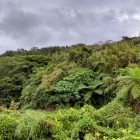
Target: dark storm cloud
28, 23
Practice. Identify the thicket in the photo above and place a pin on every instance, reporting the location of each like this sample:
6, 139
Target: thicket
113, 121
78, 92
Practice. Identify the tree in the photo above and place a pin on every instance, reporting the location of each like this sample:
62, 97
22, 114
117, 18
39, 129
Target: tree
129, 86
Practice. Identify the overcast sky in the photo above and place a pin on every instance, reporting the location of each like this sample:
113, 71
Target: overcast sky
42, 23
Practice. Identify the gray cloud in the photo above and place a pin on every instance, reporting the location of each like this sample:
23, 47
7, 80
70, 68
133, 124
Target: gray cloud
28, 23
18, 23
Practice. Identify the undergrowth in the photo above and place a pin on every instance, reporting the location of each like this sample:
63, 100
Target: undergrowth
113, 121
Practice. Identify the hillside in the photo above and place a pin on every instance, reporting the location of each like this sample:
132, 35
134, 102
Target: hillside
85, 92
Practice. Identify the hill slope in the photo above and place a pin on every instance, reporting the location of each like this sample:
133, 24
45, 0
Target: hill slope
98, 82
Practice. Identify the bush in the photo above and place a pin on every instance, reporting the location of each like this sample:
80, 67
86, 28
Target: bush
8, 125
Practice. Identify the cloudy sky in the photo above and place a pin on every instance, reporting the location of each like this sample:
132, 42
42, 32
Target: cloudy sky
42, 23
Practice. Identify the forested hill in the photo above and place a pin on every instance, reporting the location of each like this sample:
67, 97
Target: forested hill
100, 83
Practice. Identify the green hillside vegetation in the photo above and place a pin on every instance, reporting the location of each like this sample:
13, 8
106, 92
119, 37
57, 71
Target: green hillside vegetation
80, 92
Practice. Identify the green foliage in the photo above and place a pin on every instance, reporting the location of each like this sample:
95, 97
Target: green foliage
113, 57
128, 86
14, 74
100, 82
35, 95
113, 121
76, 86
33, 126
7, 127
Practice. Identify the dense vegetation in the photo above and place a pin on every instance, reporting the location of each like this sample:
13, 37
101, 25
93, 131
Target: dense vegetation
80, 92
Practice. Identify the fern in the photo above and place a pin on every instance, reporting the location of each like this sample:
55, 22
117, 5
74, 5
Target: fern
129, 84
135, 92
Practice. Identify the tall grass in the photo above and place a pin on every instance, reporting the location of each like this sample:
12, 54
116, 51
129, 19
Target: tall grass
32, 126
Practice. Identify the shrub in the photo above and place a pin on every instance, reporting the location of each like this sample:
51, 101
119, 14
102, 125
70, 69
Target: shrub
7, 127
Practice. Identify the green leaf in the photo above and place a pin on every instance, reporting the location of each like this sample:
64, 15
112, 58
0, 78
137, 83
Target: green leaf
135, 91
120, 78
87, 96
123, 92
98, 91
